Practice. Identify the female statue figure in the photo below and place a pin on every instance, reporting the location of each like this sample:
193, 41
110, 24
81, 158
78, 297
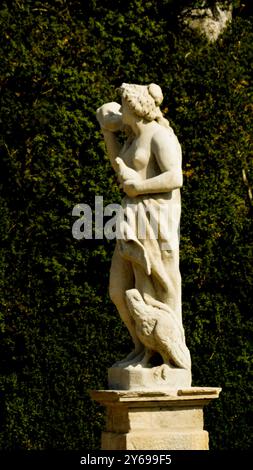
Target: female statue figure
145, 282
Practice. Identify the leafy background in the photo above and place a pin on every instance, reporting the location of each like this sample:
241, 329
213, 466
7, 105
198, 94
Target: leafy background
59, 331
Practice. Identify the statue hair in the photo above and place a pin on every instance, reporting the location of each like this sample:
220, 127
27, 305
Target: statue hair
145, 101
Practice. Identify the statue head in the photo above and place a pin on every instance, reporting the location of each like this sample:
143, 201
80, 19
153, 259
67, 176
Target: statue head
144, 101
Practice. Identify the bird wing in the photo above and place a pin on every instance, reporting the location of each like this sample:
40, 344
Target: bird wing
148, 325
171, 345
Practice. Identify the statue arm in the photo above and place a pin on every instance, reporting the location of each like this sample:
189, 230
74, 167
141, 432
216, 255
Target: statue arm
163, 183
113, 147
109, 117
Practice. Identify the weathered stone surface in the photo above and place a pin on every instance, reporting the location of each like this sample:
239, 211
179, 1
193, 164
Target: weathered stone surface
151, 404
145, 281
156, 378
155, 420
121, 419
204, 394
195, 440
207, 21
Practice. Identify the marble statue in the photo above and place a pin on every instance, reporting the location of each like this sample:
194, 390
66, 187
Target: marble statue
145, 281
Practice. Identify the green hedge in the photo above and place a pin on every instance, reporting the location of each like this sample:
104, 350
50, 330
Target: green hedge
59, 330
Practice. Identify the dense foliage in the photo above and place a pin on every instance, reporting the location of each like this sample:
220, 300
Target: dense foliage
59, 331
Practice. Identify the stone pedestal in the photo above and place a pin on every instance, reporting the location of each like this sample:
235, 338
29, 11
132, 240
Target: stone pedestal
155, 378
155, 420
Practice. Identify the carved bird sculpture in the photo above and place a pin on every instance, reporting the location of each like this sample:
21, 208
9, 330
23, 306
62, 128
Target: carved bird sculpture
125, 172
159, 330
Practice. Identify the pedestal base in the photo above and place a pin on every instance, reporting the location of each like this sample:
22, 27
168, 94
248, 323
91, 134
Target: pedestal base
153, 420
155, 378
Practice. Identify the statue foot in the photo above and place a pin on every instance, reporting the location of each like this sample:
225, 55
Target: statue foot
135, 361
132, 358
144, 360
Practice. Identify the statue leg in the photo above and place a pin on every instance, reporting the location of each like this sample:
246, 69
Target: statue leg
122, 279
171, 265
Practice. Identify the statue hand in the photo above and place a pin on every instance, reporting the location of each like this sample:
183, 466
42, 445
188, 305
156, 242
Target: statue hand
131, 188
